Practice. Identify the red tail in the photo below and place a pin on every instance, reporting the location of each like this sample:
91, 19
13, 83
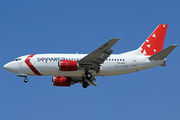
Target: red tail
155, 41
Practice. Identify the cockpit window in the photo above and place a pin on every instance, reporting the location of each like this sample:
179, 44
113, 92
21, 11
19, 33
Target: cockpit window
17, 59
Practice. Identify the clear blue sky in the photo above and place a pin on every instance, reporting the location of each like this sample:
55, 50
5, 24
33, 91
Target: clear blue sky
31, 26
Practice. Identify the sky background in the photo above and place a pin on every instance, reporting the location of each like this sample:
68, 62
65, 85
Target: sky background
42, 26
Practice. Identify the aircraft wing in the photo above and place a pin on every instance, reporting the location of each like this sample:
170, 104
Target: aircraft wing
97, 57
101, 54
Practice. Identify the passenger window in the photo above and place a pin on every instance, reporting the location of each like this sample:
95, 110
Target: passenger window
114, 59
117, 59
62, 58
109, 59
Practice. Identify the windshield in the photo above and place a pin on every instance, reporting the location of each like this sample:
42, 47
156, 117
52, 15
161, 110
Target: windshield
17, 59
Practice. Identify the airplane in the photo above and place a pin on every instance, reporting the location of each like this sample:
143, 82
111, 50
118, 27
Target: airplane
68, 69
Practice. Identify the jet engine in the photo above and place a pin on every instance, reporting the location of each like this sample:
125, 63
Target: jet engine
61, 81
68, 65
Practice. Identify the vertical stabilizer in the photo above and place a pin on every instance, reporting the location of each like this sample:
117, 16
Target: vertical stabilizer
154, 43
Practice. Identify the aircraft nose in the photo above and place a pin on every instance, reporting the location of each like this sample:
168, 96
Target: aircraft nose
7, 66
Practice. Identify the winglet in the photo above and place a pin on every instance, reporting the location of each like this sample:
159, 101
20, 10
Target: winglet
163, 54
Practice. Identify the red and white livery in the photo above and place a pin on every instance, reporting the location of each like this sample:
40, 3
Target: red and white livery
69, 69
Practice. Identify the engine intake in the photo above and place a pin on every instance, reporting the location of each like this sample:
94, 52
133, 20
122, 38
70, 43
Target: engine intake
68, 65
61, 81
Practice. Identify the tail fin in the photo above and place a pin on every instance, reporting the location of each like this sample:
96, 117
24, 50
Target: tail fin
154, 43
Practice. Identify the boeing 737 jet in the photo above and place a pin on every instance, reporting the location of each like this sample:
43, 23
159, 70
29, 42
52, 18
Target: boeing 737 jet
68, 69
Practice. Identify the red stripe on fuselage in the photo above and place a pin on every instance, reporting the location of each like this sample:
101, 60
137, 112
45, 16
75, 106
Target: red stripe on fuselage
27, 61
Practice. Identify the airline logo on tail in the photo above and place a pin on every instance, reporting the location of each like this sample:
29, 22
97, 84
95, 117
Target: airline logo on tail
154, 43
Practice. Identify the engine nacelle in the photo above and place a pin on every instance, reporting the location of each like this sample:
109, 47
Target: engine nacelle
68, 65
61, 81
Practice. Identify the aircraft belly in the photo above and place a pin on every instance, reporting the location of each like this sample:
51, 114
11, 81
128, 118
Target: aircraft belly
78, 73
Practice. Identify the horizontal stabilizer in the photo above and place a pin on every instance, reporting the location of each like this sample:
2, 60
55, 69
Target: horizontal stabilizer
163, 54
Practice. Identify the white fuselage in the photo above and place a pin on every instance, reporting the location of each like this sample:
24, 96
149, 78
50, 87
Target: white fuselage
47, 64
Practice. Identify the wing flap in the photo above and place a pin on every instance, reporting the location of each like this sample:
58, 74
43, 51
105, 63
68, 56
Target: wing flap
81, 80
91, 82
